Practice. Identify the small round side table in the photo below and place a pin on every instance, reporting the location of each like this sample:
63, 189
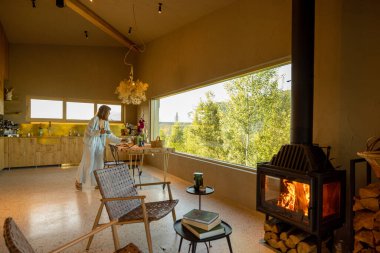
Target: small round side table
192, 190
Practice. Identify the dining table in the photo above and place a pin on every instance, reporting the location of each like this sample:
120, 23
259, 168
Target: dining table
132, 150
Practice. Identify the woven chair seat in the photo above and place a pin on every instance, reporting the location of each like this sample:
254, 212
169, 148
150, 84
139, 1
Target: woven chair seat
130, 248
155, 211
15, 239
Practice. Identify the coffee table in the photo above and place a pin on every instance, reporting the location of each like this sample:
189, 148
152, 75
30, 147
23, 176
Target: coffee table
187, 235
192, 190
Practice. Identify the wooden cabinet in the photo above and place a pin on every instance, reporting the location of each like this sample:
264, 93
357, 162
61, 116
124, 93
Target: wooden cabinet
21, 152
2, 153
71, 149
48, 151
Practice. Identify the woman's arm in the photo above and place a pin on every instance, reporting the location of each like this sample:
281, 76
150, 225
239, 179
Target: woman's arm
109, 134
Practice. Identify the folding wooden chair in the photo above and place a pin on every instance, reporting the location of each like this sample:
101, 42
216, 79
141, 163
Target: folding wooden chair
17, 243
125, 206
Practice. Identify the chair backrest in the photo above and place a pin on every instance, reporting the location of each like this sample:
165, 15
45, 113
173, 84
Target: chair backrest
114, 152
115, 182
15, 239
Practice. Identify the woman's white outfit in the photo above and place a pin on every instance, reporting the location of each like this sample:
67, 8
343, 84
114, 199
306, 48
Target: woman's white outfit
93, 151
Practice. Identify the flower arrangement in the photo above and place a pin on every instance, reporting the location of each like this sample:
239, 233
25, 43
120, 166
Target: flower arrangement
131, 92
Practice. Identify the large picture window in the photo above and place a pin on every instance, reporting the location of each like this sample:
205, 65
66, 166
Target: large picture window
79, 111
46, 109
69, 111
243, 121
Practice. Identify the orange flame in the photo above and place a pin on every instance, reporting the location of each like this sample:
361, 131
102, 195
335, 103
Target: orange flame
294, 196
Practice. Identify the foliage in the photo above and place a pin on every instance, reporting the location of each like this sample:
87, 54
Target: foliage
249, 128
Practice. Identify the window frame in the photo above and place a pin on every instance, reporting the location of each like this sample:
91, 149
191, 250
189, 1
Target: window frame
154, 108
65, 100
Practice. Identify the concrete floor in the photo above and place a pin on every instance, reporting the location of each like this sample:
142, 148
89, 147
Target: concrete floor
50, 212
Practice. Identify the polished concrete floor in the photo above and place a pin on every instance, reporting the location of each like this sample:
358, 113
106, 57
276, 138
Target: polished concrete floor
50, 212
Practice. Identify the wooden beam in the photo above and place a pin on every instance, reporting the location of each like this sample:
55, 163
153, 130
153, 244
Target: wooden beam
91, 16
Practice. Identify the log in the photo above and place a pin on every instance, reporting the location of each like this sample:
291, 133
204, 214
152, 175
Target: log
309, 245
282, 246
364, 219
268, 225
305, 247
357, 246
358, 205
270, 235
273, 243
368, 250
294, 239
285, 235
376, 236
370, 204
365, 236
369, 192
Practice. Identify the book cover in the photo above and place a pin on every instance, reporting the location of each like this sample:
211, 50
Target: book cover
202, 234
201, 216
202, 225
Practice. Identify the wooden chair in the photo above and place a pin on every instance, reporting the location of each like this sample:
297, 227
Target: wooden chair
17, 243
125, 206
135, 160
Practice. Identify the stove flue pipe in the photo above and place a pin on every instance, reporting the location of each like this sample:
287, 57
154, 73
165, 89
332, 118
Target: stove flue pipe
302, 71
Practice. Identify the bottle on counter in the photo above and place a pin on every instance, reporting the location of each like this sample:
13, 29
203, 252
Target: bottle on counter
40, 131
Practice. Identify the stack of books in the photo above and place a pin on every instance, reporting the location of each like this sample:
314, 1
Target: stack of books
203, 224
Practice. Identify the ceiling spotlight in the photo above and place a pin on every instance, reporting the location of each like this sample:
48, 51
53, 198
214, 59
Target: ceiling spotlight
160, 8
34, 3
86, 34
130, 30
60, 3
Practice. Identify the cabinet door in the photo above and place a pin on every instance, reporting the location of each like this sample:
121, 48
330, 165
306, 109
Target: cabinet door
48, 151
48, 158
2, 154
21, 152
71, 149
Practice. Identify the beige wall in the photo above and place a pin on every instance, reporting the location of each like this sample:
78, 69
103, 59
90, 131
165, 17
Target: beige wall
360, 86
247, 35
65, 71
231, 40
347, 90
3, 65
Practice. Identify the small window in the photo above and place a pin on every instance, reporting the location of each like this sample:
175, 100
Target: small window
46, 109
115, 114
79, 111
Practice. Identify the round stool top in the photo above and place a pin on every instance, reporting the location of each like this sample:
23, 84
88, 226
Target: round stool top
207, 191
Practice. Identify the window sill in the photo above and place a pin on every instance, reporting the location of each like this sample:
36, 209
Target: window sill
216, 162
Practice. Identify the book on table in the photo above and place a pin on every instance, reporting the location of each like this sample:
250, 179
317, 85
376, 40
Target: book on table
201, 216
202, 234
201, 225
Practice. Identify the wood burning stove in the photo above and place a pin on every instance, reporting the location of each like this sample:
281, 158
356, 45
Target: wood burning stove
300, 186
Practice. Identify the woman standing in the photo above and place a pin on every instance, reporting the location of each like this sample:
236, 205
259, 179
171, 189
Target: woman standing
98, 129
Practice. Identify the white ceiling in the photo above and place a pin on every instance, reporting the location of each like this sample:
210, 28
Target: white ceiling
48, 24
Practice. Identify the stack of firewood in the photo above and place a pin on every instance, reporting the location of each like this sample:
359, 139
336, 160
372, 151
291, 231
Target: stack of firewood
286, 238
367, 219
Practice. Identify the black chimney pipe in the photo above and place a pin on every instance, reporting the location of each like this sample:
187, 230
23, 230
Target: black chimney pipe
302, 71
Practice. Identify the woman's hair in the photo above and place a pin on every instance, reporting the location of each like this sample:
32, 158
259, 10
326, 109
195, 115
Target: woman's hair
102, 112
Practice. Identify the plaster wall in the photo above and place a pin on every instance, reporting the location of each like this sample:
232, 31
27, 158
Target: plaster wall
79, 72
3, 65
243, 37
346, 89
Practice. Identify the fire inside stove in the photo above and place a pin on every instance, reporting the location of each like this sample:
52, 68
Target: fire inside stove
294, 196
